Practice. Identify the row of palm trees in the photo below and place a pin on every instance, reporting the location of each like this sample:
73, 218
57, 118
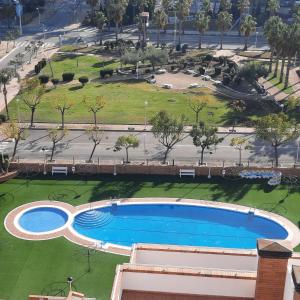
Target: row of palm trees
284, 41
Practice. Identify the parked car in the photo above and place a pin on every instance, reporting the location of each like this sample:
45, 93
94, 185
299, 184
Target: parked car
161, 71
167, 86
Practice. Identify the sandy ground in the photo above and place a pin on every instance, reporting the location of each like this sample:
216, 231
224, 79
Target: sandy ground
3, 47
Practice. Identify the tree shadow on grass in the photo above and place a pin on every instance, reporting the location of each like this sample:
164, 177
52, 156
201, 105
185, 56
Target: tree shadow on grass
104, 63
75, 88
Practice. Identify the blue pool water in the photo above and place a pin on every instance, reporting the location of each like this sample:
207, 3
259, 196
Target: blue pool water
43, 219
176, 224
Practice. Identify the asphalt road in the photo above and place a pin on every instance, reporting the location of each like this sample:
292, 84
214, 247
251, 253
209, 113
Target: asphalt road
77, 144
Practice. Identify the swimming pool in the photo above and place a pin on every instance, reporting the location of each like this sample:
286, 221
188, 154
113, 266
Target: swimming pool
177, 224
43, 219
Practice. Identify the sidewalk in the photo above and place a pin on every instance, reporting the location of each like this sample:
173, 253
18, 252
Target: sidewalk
126, 127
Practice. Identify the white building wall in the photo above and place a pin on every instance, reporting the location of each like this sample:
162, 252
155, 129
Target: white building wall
188, 284
196, 260
289, 284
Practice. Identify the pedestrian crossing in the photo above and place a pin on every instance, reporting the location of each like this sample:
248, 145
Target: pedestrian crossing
23, 44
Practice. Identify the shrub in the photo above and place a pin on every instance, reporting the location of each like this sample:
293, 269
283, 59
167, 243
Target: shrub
44, 79
55, 81
147, 71
44, 62
2, 118
37, 69
226, 80
201, 71
208, 57
108, 72
68, 76
83, 80
178, 47
218, 71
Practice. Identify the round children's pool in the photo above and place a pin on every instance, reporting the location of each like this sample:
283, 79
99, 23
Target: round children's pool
43, 219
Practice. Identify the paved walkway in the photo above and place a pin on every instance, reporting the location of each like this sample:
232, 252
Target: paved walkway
14, 86
127, 128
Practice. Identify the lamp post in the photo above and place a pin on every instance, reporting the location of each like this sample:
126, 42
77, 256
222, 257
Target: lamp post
145, 106
70, 280
137, 69
38, 11
18, 109
256, 35
281, 106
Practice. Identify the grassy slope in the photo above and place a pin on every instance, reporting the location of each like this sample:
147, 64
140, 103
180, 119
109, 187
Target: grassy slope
35, 267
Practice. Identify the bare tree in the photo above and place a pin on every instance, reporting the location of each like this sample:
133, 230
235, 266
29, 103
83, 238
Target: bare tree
63, 105
55, 136
95, 135
197, 105
94, 106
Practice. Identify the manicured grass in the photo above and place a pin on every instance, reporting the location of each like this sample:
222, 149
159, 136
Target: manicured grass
280, 85
124, 103
43, 266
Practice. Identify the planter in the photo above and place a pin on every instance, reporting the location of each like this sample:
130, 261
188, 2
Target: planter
7, 176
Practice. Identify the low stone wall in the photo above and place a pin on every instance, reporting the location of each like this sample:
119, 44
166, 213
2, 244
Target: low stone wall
89, 169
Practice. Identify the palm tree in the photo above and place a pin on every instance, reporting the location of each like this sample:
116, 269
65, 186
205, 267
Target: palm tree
243, 6
247, 27
272, 32
293, 43
101, 20
224, 22
92, 4
161, 20
272, 7
116, 11
206, 6
202, 23
282, 49
183, 10
5, 77
225, 5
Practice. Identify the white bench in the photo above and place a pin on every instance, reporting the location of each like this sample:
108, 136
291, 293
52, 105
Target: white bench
60, 170
187, 172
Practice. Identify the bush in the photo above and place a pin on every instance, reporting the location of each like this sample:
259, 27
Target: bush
44, 79
44, 62
2, 118
55, 81
68, 76
201, 71
218, 71
226, 80
178, 47
147, 71
104, 73
83, 80
37, 69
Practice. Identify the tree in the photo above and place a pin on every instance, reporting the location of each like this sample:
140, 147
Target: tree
132, 57
202, 24
6, 76
240, 144
55, 136
243, 6
183, 10
161, 20
225, 5
116, 11
100, 20
224, 22
293, 45
168, 130
32, 99
12, 130
94, 105
156, 56
272, 7
63, 105
197, 104
95, 135
204, 136
238, 105
206, 6
273, 31
92, 4
276, 129
248, 26
126, 142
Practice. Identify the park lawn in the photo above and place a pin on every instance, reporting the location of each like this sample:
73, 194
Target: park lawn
125, 103
43, 266
81, 65
280, 85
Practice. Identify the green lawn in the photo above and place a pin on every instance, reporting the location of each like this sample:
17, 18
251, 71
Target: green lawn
124, 103
43, 266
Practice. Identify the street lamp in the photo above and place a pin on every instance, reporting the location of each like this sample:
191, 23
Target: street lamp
18, 109
70, 280
145, 105
256, 34
137, 69
38, 11
281, 106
